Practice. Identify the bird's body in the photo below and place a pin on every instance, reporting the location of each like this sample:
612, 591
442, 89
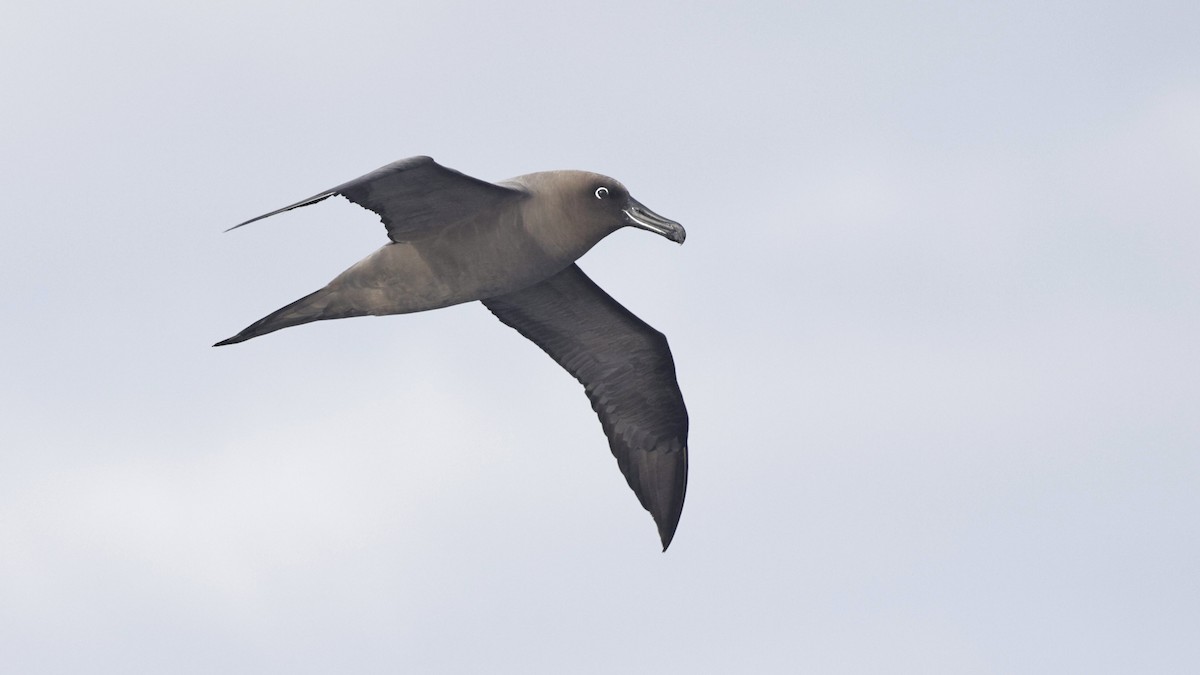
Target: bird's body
512, 245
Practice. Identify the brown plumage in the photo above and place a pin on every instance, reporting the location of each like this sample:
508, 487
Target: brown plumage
512, 245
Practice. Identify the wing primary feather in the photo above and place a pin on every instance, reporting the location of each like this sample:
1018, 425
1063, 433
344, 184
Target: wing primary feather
628, 374
304, 202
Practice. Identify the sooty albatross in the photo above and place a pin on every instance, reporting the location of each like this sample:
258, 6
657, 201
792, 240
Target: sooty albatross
512, 245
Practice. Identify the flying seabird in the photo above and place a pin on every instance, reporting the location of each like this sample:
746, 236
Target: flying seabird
513, 245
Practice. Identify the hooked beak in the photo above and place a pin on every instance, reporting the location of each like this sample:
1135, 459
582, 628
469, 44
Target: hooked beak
640, 216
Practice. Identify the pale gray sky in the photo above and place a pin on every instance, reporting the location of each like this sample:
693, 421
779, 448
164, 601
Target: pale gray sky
935, 321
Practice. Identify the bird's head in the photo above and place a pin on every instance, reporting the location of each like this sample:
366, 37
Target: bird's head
594, 205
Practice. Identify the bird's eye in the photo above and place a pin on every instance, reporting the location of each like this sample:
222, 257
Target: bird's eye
601, 192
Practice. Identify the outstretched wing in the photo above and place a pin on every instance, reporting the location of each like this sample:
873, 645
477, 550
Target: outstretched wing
626, 369
413, 195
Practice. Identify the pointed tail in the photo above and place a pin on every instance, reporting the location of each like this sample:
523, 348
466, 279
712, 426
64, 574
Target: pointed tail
312, 307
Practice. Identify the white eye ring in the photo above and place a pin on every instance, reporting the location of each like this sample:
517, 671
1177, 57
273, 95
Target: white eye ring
601, 192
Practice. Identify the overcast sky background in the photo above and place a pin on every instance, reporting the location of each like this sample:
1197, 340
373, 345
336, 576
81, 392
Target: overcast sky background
935, 322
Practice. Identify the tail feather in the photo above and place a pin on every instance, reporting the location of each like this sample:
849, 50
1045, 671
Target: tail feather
312, 307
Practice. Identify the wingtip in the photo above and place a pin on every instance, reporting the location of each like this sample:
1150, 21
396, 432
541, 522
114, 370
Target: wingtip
268, 215
303, 202
665, 500
666, 533
249, 221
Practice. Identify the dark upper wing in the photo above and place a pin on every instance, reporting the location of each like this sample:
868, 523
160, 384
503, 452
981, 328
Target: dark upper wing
626, 369
413, 195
